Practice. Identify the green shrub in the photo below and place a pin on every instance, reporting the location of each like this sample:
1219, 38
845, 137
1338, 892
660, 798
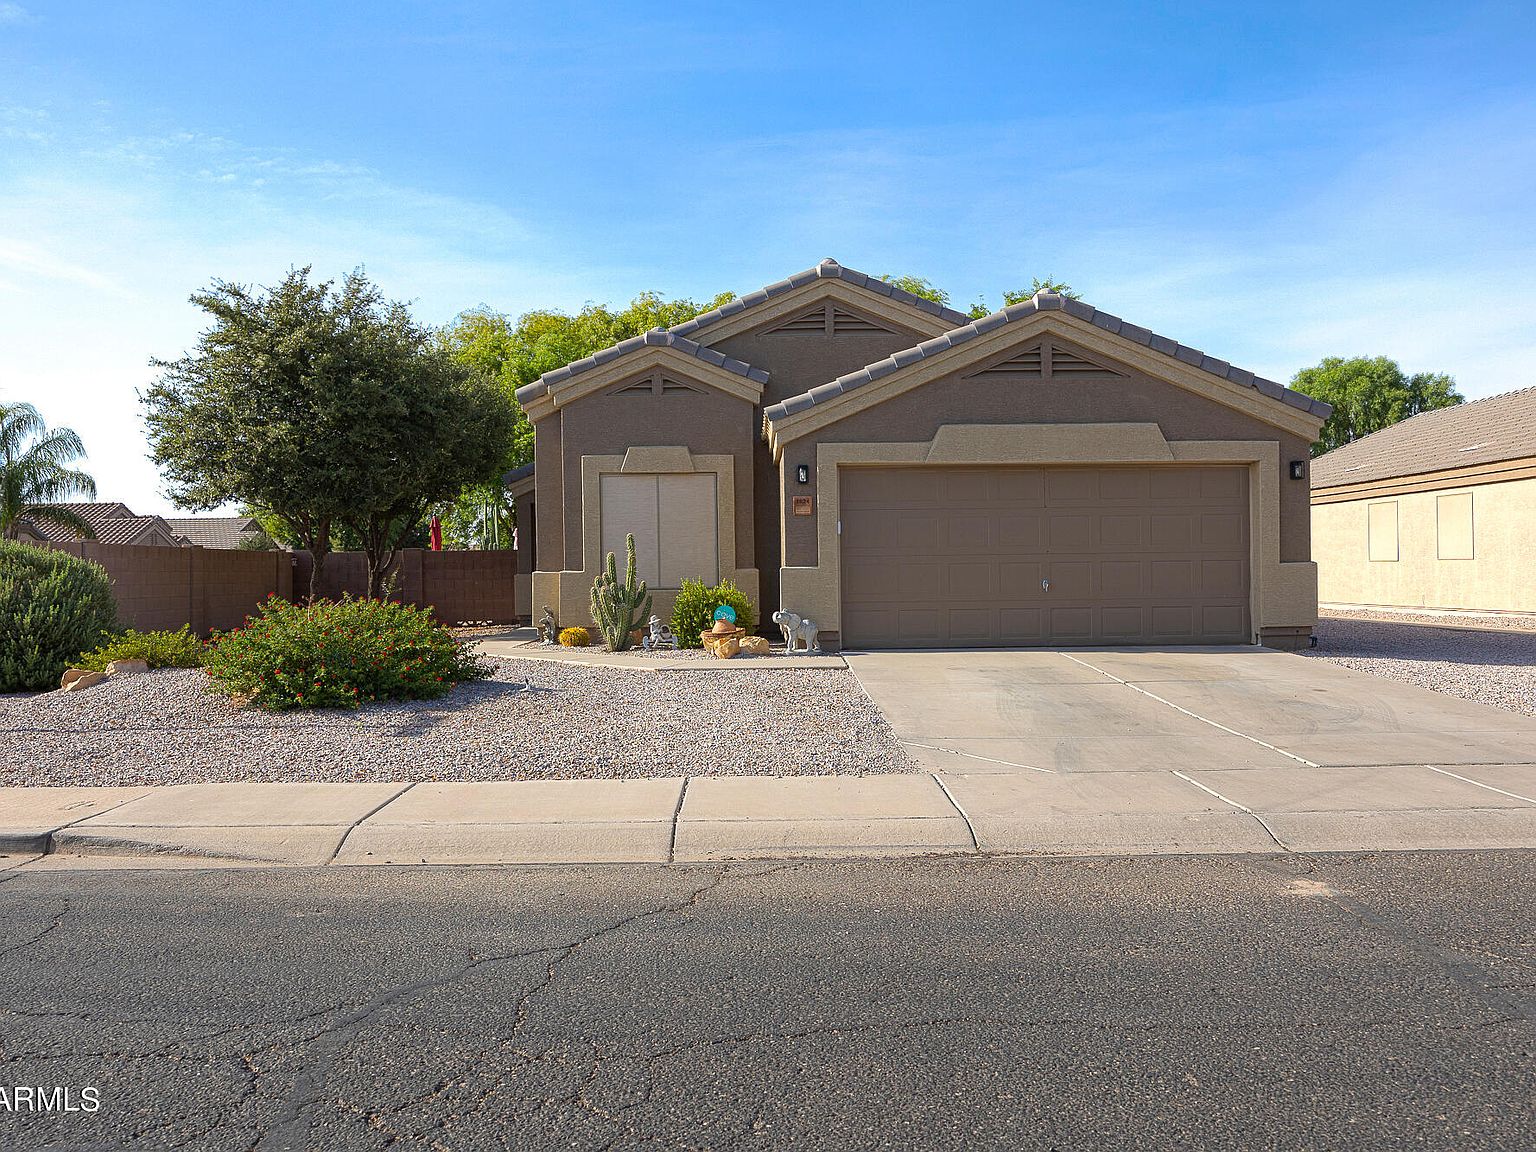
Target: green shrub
694, 611
52, 606
338, 654
157, 649
575, 638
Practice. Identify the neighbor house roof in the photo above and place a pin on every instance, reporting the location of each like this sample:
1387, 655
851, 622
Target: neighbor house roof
655, 338
112, 522
522, 473
214, 531
1045, 302
828, 269
1487, 431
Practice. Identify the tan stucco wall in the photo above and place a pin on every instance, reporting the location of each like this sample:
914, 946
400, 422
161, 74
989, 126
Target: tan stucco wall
1500, 578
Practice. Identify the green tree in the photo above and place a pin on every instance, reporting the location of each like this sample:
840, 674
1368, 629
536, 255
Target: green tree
513, 353
1369, 394
1019, 295
328, 409
35, 473
917, 286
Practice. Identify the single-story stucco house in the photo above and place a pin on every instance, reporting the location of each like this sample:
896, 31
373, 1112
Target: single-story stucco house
1438, 511
906, 476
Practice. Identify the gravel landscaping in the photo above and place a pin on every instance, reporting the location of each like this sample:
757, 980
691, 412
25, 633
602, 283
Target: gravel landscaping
570, 721
1495, 666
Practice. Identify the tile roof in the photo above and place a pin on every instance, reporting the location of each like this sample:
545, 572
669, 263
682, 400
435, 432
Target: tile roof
214, 531
1486, 431
522, 473
1045, 302
655, 338
828, 269
112, 522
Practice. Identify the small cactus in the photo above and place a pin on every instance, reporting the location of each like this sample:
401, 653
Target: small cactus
574, 638
619, 608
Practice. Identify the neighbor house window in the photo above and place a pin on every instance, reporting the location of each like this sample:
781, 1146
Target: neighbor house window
673, 517
1381, 530
1453, 526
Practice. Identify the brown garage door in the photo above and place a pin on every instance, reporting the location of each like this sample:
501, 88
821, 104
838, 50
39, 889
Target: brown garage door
977, 557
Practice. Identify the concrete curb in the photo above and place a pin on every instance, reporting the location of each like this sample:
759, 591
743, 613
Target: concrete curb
711, 819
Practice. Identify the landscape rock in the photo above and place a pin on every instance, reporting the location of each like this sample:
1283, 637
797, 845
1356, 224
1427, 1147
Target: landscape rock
72, 675
127, 667
84, 680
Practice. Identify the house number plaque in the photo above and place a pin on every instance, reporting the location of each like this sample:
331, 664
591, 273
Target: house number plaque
802, 505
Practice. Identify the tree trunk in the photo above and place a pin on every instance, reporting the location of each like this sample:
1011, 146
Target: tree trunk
319, 545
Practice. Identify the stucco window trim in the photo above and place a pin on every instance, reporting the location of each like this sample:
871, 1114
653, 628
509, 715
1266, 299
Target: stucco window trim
1282, 594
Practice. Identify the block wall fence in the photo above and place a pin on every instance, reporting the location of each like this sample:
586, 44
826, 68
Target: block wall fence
216, 588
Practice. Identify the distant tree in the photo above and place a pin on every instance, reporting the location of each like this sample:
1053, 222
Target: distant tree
917, 286
35, 473
1369, 394
1019, 295
329, 410
516, 352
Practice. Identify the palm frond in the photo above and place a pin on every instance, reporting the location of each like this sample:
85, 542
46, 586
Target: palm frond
50, 484
59, 447
61, 517
18, 422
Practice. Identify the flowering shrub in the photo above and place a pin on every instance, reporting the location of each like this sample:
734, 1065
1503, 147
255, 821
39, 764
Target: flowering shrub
157, 649
338, 654
575, 637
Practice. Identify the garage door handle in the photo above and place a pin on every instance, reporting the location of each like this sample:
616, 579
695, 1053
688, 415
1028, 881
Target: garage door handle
1045, 585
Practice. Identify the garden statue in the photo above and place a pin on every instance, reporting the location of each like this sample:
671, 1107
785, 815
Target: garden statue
660, 636
797, 630
549, 628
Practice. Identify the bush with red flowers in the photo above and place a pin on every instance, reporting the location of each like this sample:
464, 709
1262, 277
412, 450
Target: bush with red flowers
338, 654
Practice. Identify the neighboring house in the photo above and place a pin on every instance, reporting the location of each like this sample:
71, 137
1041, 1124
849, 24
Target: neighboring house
908, 477
112, 522
1438, 511
216, 531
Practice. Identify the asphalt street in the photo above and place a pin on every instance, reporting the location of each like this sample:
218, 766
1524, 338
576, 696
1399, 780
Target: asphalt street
1295, 1002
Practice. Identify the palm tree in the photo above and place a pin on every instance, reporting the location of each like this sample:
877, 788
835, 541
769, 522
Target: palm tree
33, 478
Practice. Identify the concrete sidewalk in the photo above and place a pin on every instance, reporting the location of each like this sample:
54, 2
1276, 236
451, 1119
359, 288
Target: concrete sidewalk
1169, 811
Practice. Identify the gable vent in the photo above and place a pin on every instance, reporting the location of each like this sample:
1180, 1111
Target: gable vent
655, 385
814, 321
848, 322
1027, 363
829, 320
1064, 363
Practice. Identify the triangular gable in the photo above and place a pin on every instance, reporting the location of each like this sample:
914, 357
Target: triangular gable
903, 311
1045, 361
1044, 316
828, 319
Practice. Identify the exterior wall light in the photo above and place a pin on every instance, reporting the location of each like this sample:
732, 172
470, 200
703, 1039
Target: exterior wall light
803, 473
1298, 469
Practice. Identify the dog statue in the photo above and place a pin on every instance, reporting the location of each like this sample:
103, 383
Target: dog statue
659, 637
797, 631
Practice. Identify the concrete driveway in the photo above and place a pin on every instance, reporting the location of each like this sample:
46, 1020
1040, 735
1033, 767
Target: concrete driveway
1204, 749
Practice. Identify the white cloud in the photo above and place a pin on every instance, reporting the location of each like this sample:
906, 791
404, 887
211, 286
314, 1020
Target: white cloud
14, 14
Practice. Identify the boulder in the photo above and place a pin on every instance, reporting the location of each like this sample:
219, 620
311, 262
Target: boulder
85, 680
121, 667
71, 676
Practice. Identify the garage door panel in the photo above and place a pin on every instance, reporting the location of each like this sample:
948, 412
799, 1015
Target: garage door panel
975, 581
1121, 579
938, 557
1122, 531
1221, 530
1020, 487
1070, 532
1020, 531
968, 533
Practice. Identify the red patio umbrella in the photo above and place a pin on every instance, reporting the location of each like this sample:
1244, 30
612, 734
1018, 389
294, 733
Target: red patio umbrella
436, 529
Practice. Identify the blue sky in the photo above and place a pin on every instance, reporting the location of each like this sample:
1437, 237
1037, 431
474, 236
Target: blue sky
1272, 183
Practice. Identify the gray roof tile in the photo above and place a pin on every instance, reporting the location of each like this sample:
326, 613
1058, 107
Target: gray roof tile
655, 338
1044, 301
1487, 431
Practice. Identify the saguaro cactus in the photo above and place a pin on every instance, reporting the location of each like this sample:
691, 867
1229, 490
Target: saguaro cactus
617, 608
